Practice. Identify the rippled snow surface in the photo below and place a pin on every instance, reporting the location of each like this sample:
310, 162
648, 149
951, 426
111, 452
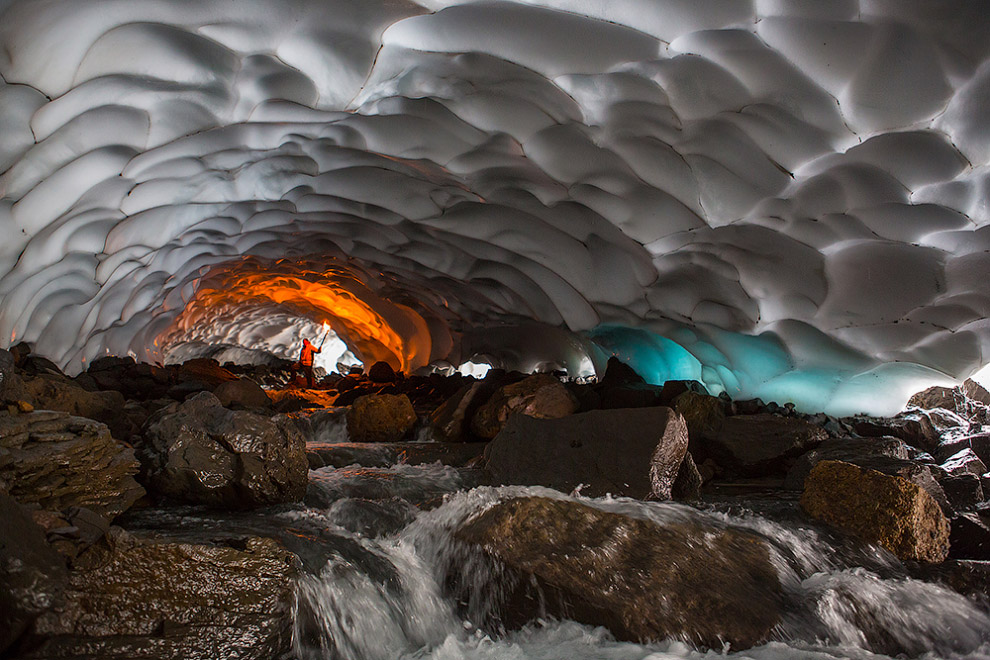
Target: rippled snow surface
783, 199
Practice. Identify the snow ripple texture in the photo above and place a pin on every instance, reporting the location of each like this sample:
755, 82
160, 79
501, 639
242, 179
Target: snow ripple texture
814, 173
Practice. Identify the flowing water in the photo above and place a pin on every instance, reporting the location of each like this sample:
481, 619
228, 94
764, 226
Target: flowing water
385, 579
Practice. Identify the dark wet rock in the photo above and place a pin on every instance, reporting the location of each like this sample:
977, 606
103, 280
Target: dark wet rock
963, 491
764, 444
202, 453
56, 392
20, 351
57, 461
385, 454
372, 518
451, 422
964, 461
914, 428
635, 452
382, 372
704, 416
242, 393
850, 450
966, 576
142, 596
559, 544
629, 396
380, 418
618, 373
878, 508
36, 365
979, 443
187, 388
750, 407
970, 537
32, 574
541, 396
687, 485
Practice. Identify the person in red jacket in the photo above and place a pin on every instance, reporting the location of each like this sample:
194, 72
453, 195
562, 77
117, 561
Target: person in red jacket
306, 360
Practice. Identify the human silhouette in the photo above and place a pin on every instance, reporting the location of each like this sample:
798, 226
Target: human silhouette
306, 360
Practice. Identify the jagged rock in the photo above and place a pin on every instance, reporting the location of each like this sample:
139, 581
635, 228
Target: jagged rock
32, 574
242, 393
380, 418
57, 461
948, 398
382, 372
759, 445
653, 581
914, 428
451, 421
963, 491
202, 453
878, 508
618, 373
704, 415
976, 392
850, 450
635, 452
970, 537
964, 461
143, 596
687, 485
541, 395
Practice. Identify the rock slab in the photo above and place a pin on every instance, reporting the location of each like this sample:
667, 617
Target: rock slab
641, 580
199, 452
147, 597
634, 452
887, 510
57, 461
759, 445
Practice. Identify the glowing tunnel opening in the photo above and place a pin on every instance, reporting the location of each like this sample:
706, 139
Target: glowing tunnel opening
271, 306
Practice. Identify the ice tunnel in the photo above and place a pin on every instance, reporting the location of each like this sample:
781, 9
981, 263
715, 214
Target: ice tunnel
782, 199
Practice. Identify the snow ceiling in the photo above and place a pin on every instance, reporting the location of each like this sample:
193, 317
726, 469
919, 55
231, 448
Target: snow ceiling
781, 198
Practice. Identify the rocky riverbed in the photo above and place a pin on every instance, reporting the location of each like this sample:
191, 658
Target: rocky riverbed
207, 511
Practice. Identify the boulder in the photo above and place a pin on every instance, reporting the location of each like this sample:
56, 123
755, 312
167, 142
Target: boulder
635, 452
963, 491
205, 370
763, 444
618, 373
970, 537
704, 415
914, 428
878, 508
643, 581
202, 453
629, 396
451, 421
687, 485
242, 393
976, 392
541, 395
674, 388
56, 392
965, 461
380, 418
382, 372
142, 596
850, 450
32, 574
57, 461
947, 398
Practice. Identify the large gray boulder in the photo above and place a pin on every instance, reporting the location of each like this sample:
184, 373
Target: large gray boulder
32, 575
634, 452
641, 580
202, 453
142, 596
56, 461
